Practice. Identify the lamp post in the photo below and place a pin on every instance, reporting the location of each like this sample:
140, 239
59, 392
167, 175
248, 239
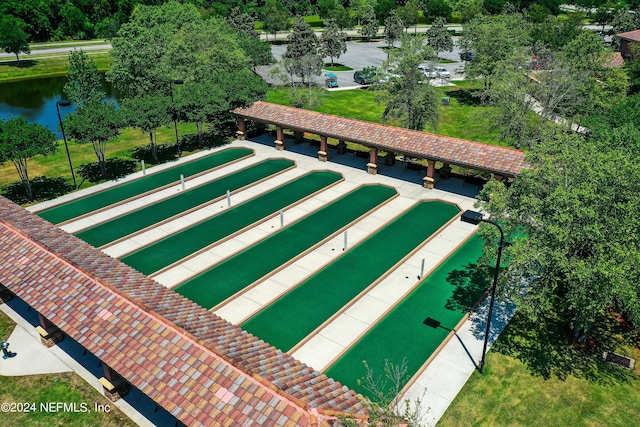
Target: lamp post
175, 116
475, 218
65, 103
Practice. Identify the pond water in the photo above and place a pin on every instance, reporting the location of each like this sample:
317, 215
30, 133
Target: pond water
35, 100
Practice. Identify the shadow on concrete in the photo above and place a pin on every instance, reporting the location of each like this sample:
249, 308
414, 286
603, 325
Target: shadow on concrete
397, 171
138, 400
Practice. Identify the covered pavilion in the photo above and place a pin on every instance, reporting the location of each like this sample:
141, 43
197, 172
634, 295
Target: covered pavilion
501, 162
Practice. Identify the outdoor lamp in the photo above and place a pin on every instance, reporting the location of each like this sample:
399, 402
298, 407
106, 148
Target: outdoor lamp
475, 218
66, 103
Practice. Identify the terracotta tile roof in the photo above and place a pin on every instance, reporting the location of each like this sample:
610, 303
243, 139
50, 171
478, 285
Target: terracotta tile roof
201, 368
474, 155
630, 35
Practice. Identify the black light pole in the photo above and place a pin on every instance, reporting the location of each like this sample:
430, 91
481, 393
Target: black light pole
65, 103
175, 116
475, 218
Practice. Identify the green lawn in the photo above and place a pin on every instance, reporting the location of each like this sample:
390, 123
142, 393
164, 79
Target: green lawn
535, 377
464, 118
41, 66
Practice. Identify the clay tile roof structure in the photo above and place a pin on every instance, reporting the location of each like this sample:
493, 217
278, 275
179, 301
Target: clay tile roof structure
615, 60
630, 35
199, 367
468, 154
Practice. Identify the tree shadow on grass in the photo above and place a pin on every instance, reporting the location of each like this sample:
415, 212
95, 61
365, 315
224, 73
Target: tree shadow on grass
44, 188
24, 63
472, 97
545, 347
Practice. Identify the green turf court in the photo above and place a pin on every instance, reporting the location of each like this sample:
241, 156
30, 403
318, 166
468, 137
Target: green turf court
152, 182
444, 297
298, 313
122, 226
241, 270
158, 255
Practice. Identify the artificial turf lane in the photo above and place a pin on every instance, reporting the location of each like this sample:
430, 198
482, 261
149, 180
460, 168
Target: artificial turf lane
242, 269
445, 296
90, 203
137, 220
296, 314
179, 245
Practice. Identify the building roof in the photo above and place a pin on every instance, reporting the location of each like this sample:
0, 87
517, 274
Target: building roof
630, 35
615, 60
469, 154
199, 367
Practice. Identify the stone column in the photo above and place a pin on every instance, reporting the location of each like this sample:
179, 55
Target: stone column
279, 145
50, 334
240, 133
323, 155
372, 166
342, 147
279, 133
445, 171
429, 181
113, 385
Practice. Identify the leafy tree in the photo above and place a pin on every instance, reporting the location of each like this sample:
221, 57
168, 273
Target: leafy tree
96, 123
408, 98
13, 37
139, 64
555, 33
302, 50
84, 83
437, 8
147, 113
242, 22
438, 37
384, 8
409, 15
299, 97
332, 42
258, 51
573, 218
604, 14
74, 23
393, 29
274, 17
496, 42
369, 27
21, 140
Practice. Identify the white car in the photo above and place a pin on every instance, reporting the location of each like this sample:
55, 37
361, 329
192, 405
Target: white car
429, 72
442, 73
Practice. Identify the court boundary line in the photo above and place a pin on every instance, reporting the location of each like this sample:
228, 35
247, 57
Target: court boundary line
242, 230
300, 255
193, 209
402, 298
146, 193
383, 276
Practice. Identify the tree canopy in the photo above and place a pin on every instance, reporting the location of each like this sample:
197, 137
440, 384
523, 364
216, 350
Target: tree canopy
13, 37
21, 140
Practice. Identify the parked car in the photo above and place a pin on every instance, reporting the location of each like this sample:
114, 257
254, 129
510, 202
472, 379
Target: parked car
388, 75
442, 73
364, 77
429, 72
466, 56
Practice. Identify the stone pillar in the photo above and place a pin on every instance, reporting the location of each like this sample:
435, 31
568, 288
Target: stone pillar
390, 159
445, 171
241, 124
372, 168
298, 137
279, 145
342, 147
431, 168
324, 146
373, 156
279, 133
428, 182
323, 156
113, 385
50, 334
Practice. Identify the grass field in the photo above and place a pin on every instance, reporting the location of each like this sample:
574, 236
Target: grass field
534, 377
45, 65
464, 118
